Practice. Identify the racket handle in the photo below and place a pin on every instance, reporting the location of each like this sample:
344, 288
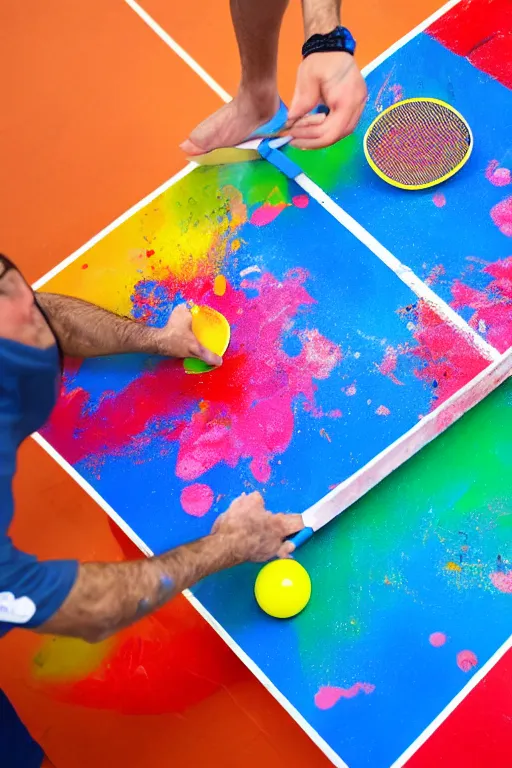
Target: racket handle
301, 537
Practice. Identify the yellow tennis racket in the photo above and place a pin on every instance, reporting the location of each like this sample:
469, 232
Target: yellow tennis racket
418, 143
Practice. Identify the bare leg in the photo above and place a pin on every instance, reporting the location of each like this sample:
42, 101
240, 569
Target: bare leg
257, 24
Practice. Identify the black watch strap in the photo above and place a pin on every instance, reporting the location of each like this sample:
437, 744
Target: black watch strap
340, 39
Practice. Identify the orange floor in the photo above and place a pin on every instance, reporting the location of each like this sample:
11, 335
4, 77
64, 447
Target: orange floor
94, 108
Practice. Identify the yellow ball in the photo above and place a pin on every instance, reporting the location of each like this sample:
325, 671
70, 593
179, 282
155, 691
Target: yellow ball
282, 588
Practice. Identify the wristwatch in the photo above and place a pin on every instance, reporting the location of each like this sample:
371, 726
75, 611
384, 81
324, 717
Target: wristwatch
340, 39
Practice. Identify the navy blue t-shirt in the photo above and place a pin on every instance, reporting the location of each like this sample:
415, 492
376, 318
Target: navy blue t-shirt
31, 590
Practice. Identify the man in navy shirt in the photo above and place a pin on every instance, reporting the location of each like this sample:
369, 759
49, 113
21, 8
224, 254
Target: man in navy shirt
94, 600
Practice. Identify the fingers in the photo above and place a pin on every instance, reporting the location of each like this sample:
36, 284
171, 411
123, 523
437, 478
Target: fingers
285, 550
208, 357
304, 122
305, 98
290, 523
337, 125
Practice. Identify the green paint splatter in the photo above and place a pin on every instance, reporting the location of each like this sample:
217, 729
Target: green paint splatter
451, 502
331, 166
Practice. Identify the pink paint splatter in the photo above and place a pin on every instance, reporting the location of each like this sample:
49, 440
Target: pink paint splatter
503, 581
382, 411
437, 639
466, 660
245, 410
439, 200
351, 390
197, 499
388, 365
500, 177
492, 306
266, 213
327, 696
448, 360
501, 214
300, 201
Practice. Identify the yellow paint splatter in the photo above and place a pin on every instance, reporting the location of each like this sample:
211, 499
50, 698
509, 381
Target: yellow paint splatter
219, 285
235, 245
69, 658
451, 566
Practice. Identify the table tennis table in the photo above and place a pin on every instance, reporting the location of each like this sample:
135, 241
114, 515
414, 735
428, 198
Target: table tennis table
365, 321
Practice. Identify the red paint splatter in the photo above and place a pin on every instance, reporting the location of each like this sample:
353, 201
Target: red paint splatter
266, 213
149, 254
327, 696
437, 639
439, 200
501, 214
197, 499
85, 266
503, 581
167, 663
492, 306
247, 406
382, 411
300, 201
500, 177
466, 660
479, 31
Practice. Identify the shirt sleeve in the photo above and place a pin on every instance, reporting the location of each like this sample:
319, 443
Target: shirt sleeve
31, 590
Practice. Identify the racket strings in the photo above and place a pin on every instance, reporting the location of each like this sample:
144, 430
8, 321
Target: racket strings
418, 143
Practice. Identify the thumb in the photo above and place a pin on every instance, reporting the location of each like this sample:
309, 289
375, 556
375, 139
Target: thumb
305, 98
208, 357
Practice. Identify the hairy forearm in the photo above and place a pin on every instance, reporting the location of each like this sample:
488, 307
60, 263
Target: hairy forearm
320, 16
110, 596
85, 330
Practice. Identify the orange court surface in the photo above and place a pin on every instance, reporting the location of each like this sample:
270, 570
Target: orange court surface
95, 106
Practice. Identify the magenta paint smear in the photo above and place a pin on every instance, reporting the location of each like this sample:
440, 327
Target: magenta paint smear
498, 176
266, 213
466, 660
327, 696
197, 499
300, 201
437, 639
245, 412
501, 214
502, 581
492, 307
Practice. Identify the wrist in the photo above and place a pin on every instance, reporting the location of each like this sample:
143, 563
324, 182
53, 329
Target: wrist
337, 40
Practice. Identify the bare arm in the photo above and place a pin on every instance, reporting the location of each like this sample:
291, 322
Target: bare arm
85, 330
320, 16
109, 596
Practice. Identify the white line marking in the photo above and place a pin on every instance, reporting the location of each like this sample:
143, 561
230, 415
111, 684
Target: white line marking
116, 223
402, 271
408, 37
429, 730
395, 455
181, 52
259, 674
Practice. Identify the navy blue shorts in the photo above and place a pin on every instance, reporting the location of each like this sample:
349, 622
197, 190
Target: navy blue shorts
17, 747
